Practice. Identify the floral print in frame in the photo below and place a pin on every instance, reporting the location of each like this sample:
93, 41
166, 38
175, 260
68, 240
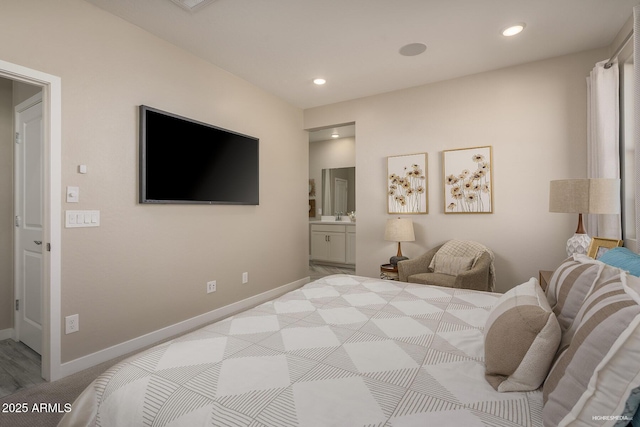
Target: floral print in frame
468, 180
407, 184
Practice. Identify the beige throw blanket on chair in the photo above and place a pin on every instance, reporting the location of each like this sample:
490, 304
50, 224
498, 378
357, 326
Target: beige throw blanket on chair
467, 248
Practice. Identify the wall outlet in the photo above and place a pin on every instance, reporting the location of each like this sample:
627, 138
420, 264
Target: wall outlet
245, 277
72, 324
211, 286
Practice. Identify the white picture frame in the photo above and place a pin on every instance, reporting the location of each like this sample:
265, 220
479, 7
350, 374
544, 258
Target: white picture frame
468, 180
407, 184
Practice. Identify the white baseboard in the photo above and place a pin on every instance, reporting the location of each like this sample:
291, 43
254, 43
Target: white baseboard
117, 350
5, 334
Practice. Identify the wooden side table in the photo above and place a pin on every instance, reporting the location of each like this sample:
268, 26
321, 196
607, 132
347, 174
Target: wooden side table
544, 278
389, 272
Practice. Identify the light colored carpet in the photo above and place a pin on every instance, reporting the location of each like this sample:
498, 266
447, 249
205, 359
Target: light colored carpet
61, 392
58, 392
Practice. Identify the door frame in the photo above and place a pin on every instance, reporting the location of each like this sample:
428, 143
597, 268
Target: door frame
51, 287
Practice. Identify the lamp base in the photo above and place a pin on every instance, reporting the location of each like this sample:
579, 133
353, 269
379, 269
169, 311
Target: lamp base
578, 244
395, 259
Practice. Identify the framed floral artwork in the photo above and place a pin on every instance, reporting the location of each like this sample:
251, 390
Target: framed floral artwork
468, 180
407, 184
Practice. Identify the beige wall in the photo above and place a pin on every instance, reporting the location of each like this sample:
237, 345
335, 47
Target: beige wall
6, 205
533, 115
333, 153
146, 266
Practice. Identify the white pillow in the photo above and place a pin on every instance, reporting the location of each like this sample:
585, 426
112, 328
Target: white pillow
521, 338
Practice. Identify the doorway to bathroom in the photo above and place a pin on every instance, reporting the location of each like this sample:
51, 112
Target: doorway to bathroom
332, 200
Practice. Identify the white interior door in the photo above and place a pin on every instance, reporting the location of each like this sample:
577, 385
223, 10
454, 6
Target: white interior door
340, 196
29, 221
326, 193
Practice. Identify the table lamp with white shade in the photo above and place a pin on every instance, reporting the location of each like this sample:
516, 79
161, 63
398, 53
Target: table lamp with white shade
584, 196
399, 230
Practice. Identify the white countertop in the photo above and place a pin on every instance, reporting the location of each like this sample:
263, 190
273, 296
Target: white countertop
333, 222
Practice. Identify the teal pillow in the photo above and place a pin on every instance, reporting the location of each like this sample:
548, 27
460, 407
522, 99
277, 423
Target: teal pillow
631, 410
622, 258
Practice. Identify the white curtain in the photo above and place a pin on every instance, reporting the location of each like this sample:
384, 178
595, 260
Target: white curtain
636, 122
603, 153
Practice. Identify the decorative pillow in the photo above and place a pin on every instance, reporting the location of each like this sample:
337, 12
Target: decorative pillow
452, 265
605, 274
622, 258
521, 339
568, 287
631, 408
593, 378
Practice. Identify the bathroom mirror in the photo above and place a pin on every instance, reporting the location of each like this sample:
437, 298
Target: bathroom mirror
338, 190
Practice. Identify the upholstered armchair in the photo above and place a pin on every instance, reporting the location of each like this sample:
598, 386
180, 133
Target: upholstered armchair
466, 272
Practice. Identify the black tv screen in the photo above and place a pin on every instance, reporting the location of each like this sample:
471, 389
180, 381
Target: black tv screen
186, 161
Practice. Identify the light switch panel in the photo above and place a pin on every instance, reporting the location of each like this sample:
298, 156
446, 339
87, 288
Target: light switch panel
75, 219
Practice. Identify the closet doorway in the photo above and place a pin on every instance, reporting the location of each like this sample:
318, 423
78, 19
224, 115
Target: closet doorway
51, 204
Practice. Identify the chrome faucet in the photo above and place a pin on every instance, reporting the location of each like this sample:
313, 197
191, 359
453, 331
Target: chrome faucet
338, 216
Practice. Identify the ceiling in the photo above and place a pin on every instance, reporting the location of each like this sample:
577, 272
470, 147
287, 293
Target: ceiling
345, 131
282, 45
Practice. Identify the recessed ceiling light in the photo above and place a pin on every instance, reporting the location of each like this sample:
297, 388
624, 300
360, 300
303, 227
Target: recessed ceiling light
335, 135
513, 30
319, 82
412, 49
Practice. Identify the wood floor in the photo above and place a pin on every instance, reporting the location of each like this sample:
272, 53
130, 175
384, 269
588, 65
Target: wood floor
316, 271
19, 367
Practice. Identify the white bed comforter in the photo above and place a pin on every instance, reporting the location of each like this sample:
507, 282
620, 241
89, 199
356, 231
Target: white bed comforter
340, 351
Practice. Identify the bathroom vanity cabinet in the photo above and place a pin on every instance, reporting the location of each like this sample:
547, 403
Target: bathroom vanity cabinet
333, 243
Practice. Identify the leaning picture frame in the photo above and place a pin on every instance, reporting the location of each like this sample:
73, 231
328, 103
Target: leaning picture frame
468, 180
312, 208
600, 245
407, 184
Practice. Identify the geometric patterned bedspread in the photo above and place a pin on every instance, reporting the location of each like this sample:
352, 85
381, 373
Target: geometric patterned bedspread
340, 351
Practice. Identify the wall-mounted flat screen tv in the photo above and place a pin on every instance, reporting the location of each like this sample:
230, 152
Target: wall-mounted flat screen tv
186, 161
